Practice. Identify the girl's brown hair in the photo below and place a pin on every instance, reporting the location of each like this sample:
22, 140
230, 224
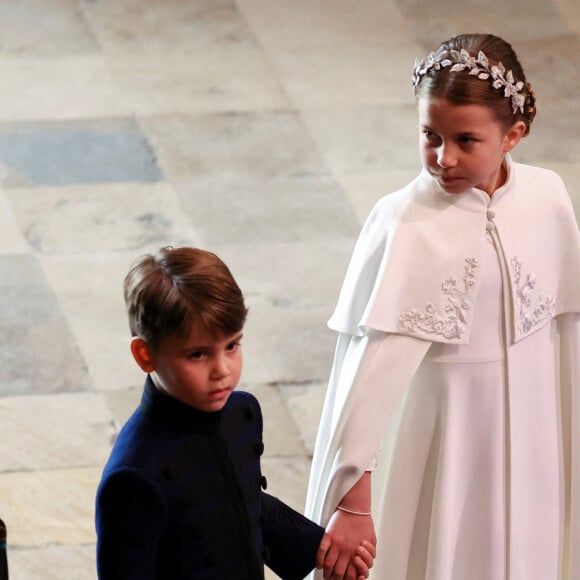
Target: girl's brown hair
461, 88
179, 289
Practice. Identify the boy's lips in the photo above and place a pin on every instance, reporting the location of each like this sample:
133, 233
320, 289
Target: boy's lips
219, 394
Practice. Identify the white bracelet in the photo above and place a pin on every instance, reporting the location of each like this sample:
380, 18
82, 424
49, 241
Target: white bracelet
343, 509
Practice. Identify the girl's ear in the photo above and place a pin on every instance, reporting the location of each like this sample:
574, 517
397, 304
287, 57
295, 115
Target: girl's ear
142, 354
514, 135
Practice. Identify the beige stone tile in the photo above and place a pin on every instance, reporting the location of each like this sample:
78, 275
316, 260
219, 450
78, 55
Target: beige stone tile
348, 75
101, 218
46, 28
149, 26
288, 24
13, 241
365, 189
53, 563
305, 403
73, 87
303, 275
281, 436
287, 479
225, 79
89, 289
261, 145
365, 139
50, 507
363, 54
122, 403
286, 345
570, 173
54, 432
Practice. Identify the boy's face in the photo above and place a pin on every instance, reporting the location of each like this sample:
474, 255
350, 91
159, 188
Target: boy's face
198, 370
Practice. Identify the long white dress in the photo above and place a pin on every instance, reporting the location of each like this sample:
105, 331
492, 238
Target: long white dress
473, 400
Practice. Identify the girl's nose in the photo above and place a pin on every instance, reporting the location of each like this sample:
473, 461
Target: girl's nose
446, 156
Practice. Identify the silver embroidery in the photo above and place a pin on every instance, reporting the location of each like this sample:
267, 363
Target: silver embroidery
452, 324
529, 314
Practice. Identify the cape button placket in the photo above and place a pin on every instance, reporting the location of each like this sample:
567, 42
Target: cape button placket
490, 226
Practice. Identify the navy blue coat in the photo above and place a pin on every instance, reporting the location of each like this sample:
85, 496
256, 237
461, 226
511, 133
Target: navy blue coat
181, 497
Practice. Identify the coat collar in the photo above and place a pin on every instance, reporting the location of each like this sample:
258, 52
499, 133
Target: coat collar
163, 407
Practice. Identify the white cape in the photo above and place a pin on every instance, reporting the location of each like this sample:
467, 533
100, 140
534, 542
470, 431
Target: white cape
409, 303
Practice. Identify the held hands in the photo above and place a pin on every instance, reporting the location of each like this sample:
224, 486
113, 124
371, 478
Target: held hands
348, 547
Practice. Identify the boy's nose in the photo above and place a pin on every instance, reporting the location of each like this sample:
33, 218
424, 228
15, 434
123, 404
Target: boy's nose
221, 367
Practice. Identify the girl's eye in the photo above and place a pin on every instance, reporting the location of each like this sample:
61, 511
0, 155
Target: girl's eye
233, 345
466, 139
430, 136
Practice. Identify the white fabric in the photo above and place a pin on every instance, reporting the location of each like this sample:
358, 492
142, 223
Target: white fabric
472, 394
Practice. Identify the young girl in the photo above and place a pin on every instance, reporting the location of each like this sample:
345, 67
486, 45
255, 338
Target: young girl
455, 381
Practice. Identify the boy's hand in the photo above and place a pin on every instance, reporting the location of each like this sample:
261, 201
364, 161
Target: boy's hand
363, 559
354, 567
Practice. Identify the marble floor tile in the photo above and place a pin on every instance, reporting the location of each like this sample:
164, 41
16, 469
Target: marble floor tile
75, 153
52, 562
13, 241
366, 139
54, 432
89, 290
277, 442
95, 219
276, 210
262, 145
73, 87
305, 405
363, 190
227, 79
305, 275
40, 354
286, 344
148, 27
493, 16
47, 28
54, 507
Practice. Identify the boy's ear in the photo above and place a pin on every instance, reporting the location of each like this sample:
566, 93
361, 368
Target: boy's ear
142, 354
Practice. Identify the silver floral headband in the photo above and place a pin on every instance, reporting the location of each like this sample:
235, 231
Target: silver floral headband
460, 60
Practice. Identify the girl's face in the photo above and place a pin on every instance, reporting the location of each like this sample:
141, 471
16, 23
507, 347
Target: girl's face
463, 146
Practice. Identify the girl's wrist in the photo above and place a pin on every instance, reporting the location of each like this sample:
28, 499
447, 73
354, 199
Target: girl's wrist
355, 512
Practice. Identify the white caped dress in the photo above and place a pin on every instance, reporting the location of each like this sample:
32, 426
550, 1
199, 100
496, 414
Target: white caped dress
458, 357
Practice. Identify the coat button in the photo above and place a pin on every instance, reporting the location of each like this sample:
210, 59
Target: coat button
259, 447
490, 226
263, 482
490, 214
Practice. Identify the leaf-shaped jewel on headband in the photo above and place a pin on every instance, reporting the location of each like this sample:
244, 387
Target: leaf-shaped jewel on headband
461, 60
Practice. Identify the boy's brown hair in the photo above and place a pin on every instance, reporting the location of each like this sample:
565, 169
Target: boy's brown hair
177, 289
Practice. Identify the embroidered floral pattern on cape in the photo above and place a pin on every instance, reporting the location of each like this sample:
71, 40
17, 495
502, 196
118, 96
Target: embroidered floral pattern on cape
452, 323
529, 312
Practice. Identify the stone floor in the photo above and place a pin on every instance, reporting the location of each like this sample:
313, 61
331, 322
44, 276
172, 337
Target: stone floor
262, 130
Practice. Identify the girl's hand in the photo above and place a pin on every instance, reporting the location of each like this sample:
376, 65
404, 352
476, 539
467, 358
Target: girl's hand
346, 532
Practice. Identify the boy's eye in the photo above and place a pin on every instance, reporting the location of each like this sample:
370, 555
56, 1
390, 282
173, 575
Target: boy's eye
196, 355
233, 345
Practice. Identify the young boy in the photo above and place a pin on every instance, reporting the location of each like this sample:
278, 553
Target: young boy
181, 496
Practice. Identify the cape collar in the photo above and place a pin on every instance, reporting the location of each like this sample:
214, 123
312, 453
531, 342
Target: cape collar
474, 199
